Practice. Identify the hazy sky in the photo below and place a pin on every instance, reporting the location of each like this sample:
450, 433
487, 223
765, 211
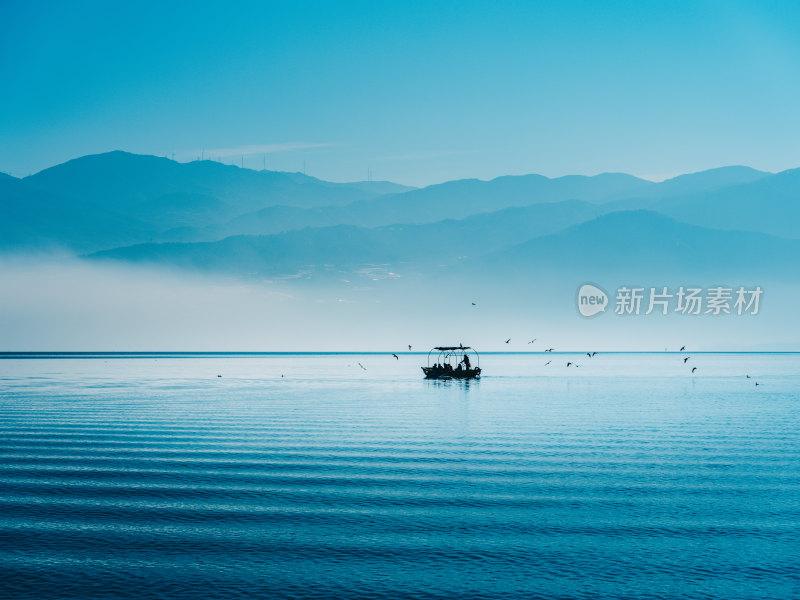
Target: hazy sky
417, 92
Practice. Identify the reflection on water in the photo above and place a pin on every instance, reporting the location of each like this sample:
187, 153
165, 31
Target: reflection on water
310, 477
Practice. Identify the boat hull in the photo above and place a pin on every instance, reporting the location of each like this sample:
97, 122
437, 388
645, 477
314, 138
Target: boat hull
434, 373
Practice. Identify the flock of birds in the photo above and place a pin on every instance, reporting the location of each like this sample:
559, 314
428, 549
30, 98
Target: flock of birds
569, 363
508, 341
694, 369
686, 359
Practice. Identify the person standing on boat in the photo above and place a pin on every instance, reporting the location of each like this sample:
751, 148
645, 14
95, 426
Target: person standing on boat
466, 361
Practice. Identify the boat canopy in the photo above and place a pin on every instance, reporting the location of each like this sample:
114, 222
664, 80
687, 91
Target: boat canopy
447, 354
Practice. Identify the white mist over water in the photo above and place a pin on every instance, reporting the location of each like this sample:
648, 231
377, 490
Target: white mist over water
58, 303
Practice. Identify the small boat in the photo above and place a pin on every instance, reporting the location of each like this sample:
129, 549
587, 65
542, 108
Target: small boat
452, 362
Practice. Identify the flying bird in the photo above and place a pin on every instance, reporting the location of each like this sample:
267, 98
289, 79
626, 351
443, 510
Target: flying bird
569, 364
694, 369
409, 347
549, 349
533, 340
547, 363
362, 366
473, 304
685, 359
682, 349
748, 376
397, 357
757, 383
508, 340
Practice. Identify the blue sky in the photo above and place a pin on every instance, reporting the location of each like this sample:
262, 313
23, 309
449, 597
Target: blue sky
415, 92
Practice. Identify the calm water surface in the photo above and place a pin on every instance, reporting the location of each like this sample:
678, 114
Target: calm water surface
312, 477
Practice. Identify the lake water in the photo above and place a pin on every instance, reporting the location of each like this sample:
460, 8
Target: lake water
308, 476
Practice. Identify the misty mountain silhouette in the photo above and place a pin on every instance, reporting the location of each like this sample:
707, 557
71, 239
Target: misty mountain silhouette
277, 219
457, 199
619, 243
648, 244
706, 180
125, 181
118, 203
155, 194
700, 183
768, 205
38, 220
345, 245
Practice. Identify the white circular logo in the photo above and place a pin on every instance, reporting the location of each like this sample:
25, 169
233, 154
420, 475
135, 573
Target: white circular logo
591, 300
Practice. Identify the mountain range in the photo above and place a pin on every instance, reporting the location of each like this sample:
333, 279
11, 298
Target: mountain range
212, 217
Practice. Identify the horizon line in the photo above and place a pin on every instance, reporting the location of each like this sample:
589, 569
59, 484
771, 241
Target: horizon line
9, 354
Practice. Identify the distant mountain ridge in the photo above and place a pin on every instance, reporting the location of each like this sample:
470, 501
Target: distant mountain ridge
127, 198
39, 220
122, 205
627, 243
125, 182
767, 204
647, 244
346, 245
692, 183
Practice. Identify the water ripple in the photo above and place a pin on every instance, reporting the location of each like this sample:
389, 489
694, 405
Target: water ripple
147, 487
